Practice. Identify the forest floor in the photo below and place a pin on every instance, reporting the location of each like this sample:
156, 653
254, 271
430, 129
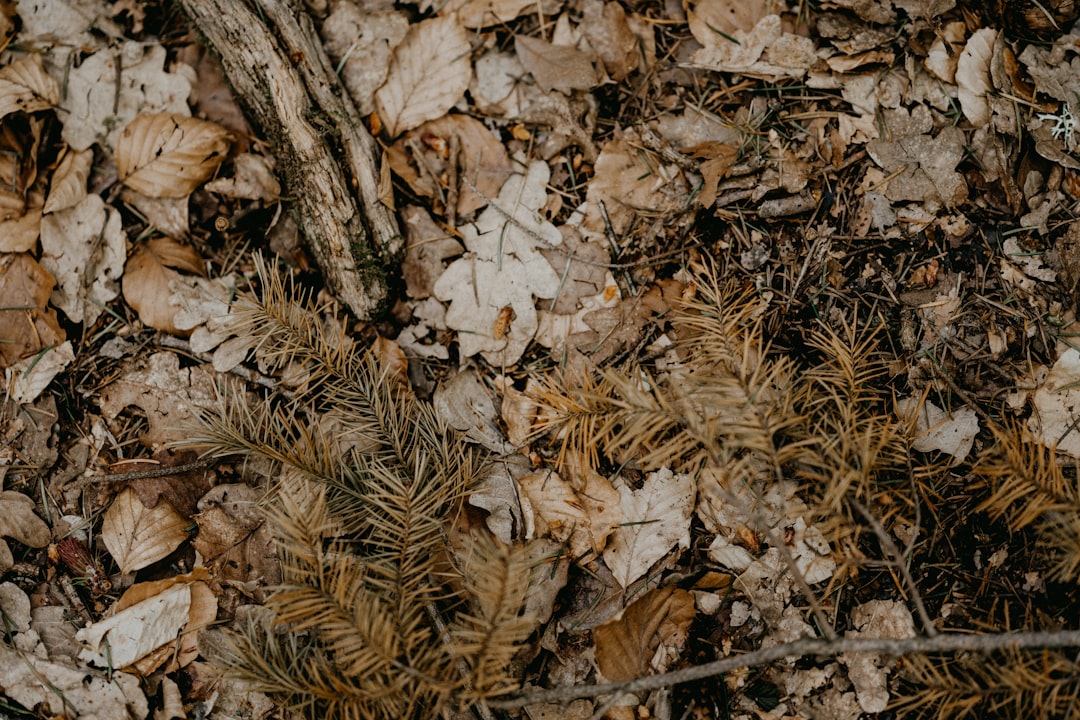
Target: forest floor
765, 310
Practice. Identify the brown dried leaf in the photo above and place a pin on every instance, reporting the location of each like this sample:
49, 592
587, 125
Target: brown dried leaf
482, 160
610, 34
168, 155
426, 252
20, 522
482, 13
137, 536
26, 87
558, 67
429, 73
27, 325
69, 181
147, 275
648, 635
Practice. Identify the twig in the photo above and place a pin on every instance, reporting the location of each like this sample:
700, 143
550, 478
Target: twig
167, 471
952, 642
900, 562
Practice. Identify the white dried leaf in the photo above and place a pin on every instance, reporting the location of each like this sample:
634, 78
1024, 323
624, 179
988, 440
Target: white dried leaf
137, 536
169, 155
973, 76
655, 518
84, 247
96, 101
1057, 405
503, 272
28, 378
429, 73
26, 87
583, 517
135, 632
953, 434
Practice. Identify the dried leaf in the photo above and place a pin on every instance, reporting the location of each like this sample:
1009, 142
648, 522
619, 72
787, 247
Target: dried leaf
583, 518
26, 87
167, 394
137, 536
163, 155
504, 268
649, 635
973, 76
611, 36
253, 179
147, 276
19, 521
133, 633
556, 67
483, 13
84, 247
481, 161
655, 518
27, 324
429, 73
69, 181
364, 41
426, 252
1057, 404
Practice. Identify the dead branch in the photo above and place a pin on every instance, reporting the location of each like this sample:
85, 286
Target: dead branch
802, 648
281, 75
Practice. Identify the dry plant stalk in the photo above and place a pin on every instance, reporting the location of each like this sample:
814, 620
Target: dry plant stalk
360, 512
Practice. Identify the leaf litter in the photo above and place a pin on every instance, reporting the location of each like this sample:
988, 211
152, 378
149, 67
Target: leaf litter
905, 164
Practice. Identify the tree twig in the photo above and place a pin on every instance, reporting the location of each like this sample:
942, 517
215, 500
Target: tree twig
952, 642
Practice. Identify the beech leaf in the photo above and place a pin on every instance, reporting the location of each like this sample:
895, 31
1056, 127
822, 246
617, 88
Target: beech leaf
648, 635
19, 522
137, 536
168, 155
429, 73
147, 275
25, 86
555, 67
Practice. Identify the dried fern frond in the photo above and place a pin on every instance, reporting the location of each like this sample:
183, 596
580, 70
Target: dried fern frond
359, 512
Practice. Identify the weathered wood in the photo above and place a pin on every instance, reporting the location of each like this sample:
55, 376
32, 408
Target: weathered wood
280, 75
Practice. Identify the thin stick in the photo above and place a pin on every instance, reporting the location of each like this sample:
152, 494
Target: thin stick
951, 642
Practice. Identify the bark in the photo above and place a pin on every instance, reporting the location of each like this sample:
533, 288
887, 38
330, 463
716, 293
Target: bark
282, 77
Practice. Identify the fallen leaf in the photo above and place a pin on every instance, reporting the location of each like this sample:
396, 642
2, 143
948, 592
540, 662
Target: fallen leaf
253, 179
556, 67
483, 13
26, 87
147, 275
169, 155
609, 33
137, 536
922, 167
167, 394
1057, 405
84, 247
427, 249
973, 76
464, 403
27, 324
361, 44
227, 515
503, 268
583, 518
19, 520
68, 185
108, 89
869, 672
62, 690
28, 378
766, 51
936, 430
649, 635
655, 518
135, 632
429, 73
482, 164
